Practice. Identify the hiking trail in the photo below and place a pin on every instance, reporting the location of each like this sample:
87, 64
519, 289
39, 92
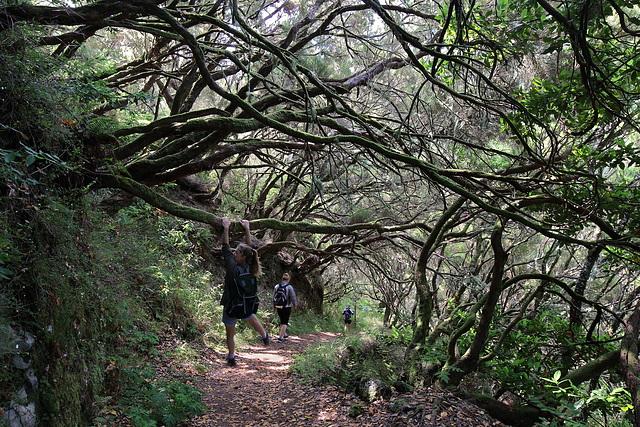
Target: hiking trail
260, 391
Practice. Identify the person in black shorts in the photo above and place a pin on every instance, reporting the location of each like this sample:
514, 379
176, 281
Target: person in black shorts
283, 308
347, 313
244, 259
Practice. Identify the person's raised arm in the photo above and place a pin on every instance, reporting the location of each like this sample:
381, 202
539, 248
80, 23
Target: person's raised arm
225, 230
247, 232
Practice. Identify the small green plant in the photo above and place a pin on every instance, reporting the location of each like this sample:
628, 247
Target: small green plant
317, 365
581, 406
399, 336
144, 341
149, 402
356, 409
185, 355
444, 373
345, 362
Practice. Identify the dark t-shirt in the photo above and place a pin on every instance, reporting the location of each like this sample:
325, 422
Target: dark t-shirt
232, 270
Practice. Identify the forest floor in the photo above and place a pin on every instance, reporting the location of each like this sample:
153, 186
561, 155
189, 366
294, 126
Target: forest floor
261, 391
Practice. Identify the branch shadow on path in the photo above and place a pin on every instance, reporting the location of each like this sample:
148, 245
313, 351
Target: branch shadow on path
260, 390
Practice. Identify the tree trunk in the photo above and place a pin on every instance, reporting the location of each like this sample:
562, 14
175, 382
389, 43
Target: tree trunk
387, 316
630, 362
424, 292
575, 310
469, 360
425, 295
580, 287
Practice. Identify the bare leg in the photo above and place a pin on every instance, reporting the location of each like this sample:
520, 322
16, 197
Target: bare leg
283, 330
231, 345
255, 324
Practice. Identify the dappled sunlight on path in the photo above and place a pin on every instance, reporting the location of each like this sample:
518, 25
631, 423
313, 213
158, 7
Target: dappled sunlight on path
259, 391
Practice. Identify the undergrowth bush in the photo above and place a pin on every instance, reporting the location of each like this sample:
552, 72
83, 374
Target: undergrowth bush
97, 290
585, 405
147, 401
310, 321
347, 360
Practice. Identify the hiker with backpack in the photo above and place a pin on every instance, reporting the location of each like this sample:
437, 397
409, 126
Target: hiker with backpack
242, 266
347, 312
284, 300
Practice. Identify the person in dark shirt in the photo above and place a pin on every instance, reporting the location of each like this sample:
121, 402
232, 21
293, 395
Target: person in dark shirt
347, 313
243, 260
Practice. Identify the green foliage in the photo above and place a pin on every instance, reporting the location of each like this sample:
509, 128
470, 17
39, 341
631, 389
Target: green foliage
144, 342
149, 402
522, 359
400, 336
356, 409
565, 95
583, 405
318, 364
22, 171
186, 355
33, 105
444, 373
308, 322
345, 361
7, 253
360, 216
95, 289
436, 354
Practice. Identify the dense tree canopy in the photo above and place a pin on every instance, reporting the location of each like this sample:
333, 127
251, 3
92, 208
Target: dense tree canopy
475, 162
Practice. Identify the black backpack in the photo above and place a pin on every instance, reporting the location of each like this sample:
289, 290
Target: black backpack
244, 302
280, 295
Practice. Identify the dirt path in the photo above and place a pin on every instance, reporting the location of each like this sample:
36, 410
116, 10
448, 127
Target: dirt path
260, 391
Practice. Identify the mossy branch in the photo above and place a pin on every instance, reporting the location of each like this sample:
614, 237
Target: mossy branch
159, 201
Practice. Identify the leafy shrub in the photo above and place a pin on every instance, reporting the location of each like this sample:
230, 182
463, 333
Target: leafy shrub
319, 364
89, 282
149, 403
344, 362
586, 406
398, 336
310, 321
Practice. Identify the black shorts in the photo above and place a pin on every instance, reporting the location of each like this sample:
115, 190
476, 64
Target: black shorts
284, 314
347, 321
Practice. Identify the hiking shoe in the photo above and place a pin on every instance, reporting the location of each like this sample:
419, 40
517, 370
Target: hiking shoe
266, 340
280, 339
285, 336
231, 362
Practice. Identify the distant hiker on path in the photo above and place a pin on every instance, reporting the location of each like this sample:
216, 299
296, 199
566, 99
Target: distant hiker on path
284, 299
347, 312
242, 261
